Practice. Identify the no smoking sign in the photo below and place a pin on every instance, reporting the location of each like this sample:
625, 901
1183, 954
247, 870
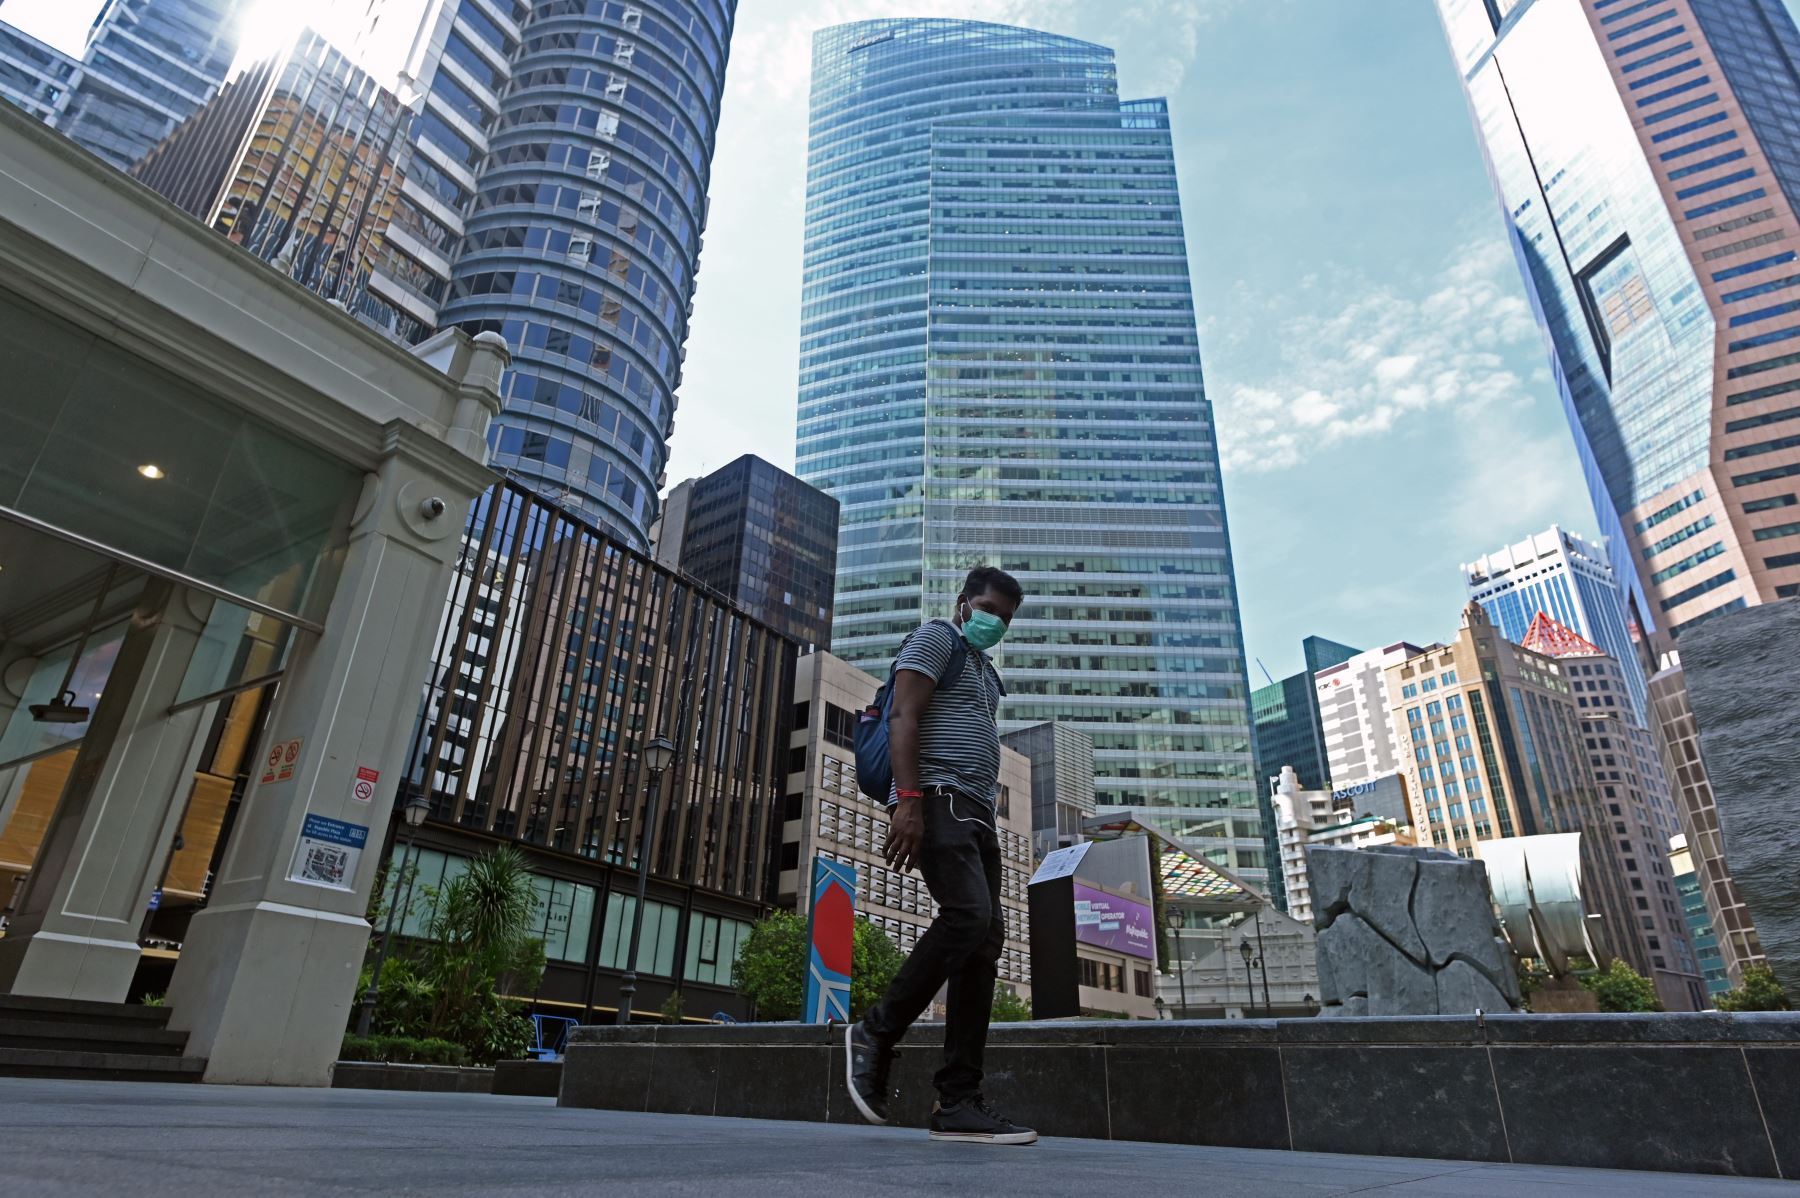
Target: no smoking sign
363, 789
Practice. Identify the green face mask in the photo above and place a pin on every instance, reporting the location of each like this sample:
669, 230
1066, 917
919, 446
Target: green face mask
982, 629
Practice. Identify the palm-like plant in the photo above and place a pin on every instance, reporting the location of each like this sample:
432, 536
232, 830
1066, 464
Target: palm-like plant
481, 928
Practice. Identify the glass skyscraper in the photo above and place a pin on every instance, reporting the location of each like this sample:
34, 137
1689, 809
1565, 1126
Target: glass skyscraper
583, 239
999, 365
1647, 160
149, 65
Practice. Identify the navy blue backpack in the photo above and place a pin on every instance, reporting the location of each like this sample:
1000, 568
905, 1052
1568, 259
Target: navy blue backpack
874, 765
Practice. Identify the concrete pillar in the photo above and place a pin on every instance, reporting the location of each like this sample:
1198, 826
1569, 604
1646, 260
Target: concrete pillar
269, 967
75, 933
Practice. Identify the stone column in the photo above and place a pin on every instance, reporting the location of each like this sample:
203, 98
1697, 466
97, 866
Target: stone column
75, 934
268, 970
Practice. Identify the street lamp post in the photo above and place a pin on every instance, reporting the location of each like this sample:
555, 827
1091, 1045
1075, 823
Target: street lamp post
1177, 921
1262, 963
1247, 952
657, 756
414, 814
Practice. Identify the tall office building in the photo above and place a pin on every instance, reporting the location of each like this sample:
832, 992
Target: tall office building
1351, 698
583, 238
1568, 579
1494, 749
34, 76
295, 160
1287, 718
1646, 160
1062, 783
999, 366
149, 64
761, 538
1628, 776
1699, 921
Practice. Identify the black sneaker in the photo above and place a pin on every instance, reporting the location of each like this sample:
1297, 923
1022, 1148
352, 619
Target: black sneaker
972, 1121
866, 1064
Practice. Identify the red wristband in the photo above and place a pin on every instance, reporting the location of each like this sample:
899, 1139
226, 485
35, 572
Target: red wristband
908, 794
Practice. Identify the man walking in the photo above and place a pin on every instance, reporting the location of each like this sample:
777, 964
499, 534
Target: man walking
945, 752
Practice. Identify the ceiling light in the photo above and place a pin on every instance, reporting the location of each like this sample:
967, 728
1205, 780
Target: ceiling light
150, 470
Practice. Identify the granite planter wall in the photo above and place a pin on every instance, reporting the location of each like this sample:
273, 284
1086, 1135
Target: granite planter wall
1704, 1093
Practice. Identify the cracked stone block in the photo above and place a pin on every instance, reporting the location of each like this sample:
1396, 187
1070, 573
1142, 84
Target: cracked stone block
1363, 963
1462, 990
1453, 911
1377, 886
1408, 931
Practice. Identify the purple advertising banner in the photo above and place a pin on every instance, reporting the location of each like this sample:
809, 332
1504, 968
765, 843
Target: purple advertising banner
1120, 924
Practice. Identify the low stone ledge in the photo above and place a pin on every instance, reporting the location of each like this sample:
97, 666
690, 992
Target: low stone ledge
1707, 1093
436, 1079
530, 1079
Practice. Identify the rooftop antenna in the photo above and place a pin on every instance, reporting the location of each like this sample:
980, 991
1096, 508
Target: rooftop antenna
1265, 670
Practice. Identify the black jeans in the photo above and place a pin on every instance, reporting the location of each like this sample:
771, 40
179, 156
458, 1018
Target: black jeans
960, 861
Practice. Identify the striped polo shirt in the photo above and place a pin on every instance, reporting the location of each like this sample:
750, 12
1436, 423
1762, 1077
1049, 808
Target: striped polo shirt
959, 740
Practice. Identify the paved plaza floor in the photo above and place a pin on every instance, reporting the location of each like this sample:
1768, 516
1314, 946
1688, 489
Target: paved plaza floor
122, 1138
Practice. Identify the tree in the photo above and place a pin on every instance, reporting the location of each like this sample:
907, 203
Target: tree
771, 967
1008, 1006
1761, 991
477, 945
1619, 987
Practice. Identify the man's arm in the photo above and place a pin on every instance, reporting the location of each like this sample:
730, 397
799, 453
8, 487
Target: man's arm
906, 832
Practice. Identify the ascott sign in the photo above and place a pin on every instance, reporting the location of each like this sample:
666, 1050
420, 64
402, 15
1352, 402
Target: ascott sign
1119, 924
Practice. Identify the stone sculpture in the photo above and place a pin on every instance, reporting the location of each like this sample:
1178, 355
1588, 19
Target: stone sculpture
1408, 931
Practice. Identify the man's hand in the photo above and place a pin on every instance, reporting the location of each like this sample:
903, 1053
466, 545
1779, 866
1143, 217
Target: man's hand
906, 835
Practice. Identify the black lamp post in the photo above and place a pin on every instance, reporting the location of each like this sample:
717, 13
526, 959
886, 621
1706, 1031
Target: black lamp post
414, 814
1177, 921
657, 756
1247, 952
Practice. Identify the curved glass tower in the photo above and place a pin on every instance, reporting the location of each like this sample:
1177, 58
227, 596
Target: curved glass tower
999, 365
583, 239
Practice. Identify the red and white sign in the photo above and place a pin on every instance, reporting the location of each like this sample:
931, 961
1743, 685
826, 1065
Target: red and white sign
363, 789
290, 757
274, 763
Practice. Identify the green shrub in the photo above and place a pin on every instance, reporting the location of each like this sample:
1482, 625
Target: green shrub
447, 985
1761, 991
1619, 987
402, 1050
1008, 1006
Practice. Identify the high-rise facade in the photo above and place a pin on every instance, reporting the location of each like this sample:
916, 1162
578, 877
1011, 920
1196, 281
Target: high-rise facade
763, 539
1287, 718
149, 64
1699, 919
583, 238
1062, 782
1648, 164
34, 76
1493, 748
999, 365
1629, 778
1569, 579
294, 160
1352, 703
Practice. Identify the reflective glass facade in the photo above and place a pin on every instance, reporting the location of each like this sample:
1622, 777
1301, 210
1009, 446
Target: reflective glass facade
1647, 157
999, 365
33, 75
149, 65
582, 242
768, 542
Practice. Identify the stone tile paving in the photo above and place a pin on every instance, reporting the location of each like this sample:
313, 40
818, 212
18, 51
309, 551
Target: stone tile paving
78, 1138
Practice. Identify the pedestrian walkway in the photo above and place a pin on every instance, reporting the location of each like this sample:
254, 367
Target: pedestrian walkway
148, 1139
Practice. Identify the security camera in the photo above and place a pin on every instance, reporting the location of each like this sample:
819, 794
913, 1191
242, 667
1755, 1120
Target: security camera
432, 508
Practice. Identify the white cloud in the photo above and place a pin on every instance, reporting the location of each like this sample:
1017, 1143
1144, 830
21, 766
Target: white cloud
1385, 355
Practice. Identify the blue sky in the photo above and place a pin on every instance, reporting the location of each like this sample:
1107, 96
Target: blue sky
1381, 392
